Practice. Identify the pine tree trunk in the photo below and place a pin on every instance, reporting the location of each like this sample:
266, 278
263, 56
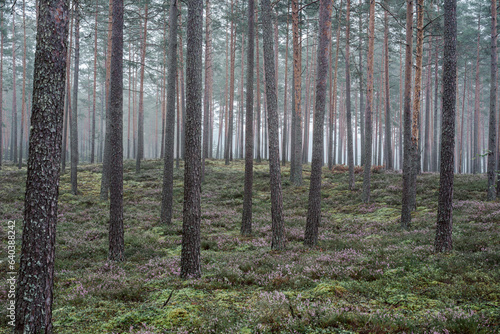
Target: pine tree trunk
278, 228
361, 90
13, 154
74, 109
1, 88
36, 270
324, 36
427, 149
415, 133
208, 79
107, 145
92, 138
190, 256
369, 106
229, 135
116, 240
407, 158
443, 242
388, 118
350, 153
168, 168
296, 163
23, 101
492, 133
477, 159
435, 154
140, 123
246, 225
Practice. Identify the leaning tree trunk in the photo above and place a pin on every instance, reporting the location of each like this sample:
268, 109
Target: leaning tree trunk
73, 128
369, 106
324, 36
406, 207
168, 167
492, 134
190, 256
278, 228
443, 242
36, 268
246, 225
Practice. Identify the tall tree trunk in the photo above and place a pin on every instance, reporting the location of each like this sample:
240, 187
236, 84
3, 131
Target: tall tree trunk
36, 269
23, 101
324, 36
140, 124
407, 158
307, 118
116, 240
278, 228
258, 114
182, 104
284, 140
92, 138
208, 80
388, 118
296, 163
246, 225
73, 129
190, 256
130, 78
168, 167
13, 154
229, 135
369, 106
435, 154
477, 159
427, 149
350, 153
1, 88
361, 90
443, 242
107, 145
415, 127
461, 136
492, 133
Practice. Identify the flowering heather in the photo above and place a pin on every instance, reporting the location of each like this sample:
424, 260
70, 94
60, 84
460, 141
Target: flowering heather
366, 275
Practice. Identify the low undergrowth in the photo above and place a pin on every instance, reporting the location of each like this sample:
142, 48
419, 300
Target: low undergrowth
366, 276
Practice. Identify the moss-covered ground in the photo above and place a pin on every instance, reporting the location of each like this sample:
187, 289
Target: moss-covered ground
366, 276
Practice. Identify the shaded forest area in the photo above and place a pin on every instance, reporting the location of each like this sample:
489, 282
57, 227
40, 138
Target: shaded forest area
321, 167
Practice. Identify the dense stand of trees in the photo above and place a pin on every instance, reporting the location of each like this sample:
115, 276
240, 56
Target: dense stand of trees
162, 89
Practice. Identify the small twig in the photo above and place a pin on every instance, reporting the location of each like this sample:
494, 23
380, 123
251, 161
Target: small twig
290, 306
168, 299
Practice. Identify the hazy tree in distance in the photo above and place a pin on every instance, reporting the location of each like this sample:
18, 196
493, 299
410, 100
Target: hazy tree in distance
278, 228
369, 105
36, 269
246, 225
190, 256
140, 122
443, 242
116, 241
388, 120
324, 36
168, 167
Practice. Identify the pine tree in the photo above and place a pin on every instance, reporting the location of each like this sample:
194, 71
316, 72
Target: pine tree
34, 294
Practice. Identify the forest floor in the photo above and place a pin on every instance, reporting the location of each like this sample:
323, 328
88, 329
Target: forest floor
366, 276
